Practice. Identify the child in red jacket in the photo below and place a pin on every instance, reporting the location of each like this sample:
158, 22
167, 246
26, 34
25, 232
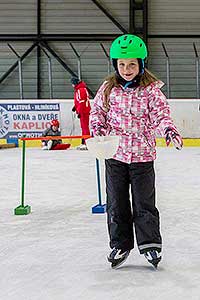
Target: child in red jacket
81, 107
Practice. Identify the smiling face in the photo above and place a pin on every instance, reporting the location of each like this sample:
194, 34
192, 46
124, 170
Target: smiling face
128, 68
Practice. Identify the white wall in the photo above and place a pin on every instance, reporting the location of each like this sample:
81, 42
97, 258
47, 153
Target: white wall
185, 113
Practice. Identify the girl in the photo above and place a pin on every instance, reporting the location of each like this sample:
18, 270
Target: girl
130, 104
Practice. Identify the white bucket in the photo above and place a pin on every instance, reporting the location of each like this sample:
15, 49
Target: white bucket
103, 147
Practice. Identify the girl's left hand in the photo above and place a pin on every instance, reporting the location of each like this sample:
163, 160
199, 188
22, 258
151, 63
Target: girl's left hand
173, 136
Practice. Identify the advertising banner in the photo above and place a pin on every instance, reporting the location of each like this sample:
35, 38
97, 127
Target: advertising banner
26, 119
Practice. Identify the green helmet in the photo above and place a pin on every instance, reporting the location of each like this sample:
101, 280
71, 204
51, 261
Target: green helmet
128, 46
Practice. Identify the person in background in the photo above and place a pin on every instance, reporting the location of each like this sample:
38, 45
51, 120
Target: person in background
81, 107
130, 104
53, 130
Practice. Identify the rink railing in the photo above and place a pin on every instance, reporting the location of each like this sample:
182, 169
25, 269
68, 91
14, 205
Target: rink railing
23, 209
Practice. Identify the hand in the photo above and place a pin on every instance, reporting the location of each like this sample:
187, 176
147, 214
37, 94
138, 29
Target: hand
73, 109
74, 115
78, 116
173, 136
99, 132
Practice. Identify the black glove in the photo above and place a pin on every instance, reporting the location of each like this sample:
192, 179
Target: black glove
78, 116
73, 109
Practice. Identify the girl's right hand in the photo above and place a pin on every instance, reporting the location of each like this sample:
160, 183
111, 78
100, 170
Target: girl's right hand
100, 131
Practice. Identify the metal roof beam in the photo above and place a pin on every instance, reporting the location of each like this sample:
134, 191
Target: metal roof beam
105, 11
65, 66
29, 50
58, 37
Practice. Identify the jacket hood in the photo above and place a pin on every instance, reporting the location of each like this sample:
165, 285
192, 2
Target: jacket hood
80, 85
157, 84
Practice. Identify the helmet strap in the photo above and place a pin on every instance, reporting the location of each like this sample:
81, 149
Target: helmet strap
127, 84
141, 65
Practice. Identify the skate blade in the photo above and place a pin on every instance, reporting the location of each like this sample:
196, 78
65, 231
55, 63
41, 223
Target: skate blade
155, 263
114, 267
82, 149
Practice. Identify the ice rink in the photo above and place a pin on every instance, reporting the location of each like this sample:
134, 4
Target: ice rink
58, 252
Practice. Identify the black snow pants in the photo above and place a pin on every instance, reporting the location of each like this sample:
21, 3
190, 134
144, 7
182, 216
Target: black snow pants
121, 213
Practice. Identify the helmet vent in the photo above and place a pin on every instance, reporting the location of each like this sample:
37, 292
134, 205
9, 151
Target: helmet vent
133, 45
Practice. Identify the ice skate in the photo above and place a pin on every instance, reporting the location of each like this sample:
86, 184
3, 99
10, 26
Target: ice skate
82, 147
153, 257
117, 257
49, 144
45, 148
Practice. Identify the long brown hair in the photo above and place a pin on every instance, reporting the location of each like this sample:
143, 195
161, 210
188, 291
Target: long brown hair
144, 80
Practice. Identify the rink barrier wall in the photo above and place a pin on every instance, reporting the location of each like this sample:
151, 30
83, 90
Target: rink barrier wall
160, 142
185, 113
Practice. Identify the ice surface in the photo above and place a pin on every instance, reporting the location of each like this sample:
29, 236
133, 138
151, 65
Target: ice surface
58, 252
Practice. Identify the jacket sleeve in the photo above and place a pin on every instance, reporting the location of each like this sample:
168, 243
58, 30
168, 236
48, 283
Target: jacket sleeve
82, 97
83, 93
45, 133
159, 112
98, 115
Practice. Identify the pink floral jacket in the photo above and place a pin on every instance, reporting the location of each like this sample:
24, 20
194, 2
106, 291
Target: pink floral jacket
136, 115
